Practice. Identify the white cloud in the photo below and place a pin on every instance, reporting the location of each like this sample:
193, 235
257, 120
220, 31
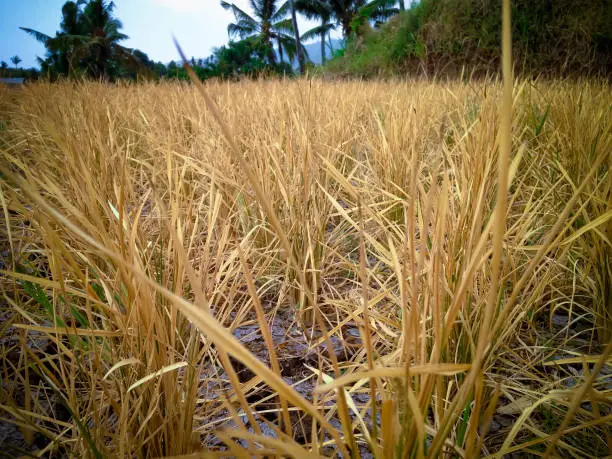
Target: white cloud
184, 6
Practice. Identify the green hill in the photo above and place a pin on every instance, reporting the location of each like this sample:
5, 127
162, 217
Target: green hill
550, 37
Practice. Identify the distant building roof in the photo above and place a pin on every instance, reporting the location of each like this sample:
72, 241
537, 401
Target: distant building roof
12, 81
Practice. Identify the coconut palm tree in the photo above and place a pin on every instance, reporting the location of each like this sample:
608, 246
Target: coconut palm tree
62, 49
88, 41
15, 60
104, 34
321, 10
269, 23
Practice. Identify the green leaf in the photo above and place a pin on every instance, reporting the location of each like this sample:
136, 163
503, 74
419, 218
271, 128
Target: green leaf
39, 295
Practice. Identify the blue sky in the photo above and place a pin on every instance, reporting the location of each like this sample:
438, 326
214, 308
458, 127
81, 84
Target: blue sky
199, 25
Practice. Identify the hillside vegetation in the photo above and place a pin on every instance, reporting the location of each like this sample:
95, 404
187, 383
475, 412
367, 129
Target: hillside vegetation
550, 37
171, 285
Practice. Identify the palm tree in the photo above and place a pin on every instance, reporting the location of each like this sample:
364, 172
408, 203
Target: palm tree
88, 40
15, 60
62, 49
104, 36
269, 23
317, 9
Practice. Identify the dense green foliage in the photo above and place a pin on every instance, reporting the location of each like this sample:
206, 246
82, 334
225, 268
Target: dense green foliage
246, 57
344, 12
559, 37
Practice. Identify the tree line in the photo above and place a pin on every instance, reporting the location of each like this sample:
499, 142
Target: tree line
89, 41
17, 72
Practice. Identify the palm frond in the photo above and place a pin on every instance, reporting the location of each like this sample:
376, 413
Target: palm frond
288, 46
240, 30
378, 10
239, 14
267, 9
383, 4
286, 25
39, 36
253, 26
259, 7
288, 42
316, 32
111, 29
282, 12
382, 15
65, 41
314, 9
113, 23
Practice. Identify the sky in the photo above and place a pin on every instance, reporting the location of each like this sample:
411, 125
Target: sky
199, 26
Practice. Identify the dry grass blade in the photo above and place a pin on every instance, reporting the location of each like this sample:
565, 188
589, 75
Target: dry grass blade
447, 369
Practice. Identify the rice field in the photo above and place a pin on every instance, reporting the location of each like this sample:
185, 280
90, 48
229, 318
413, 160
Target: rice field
306, 268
